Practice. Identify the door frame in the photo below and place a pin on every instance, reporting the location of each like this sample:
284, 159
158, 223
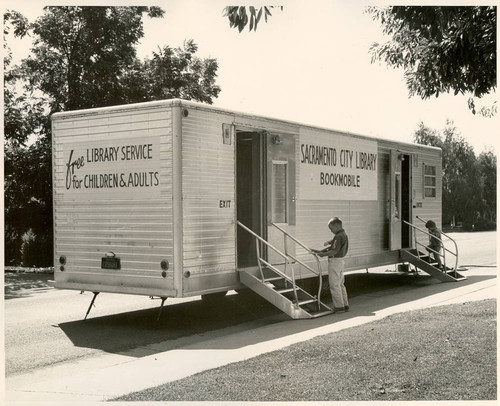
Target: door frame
400, 181
406, 199
254, 195
274, 148
281, 150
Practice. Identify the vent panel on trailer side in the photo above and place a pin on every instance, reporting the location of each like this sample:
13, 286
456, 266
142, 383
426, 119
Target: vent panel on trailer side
113, 193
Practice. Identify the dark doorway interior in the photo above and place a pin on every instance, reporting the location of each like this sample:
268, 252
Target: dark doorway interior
405, 202
249, 193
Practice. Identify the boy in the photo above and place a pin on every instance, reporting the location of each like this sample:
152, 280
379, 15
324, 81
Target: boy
336, 252
435, 243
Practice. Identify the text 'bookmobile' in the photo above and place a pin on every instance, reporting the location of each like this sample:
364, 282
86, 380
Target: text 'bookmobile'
177, 199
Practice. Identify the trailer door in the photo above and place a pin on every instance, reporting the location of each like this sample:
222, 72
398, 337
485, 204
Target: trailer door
280, 192
250, 193
395, 201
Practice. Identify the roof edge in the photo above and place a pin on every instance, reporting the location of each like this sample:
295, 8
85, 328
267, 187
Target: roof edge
188, 103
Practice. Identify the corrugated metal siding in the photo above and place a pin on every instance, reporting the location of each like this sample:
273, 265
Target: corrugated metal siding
208, 172
136, 226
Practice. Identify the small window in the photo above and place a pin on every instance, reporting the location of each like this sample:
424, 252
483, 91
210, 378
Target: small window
279, 203
429, 181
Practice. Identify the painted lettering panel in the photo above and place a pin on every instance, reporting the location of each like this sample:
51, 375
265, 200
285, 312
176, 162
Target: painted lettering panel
113, 168
337, 167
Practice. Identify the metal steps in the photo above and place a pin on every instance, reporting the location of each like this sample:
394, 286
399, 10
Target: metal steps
426, 264
278, 289
278, 286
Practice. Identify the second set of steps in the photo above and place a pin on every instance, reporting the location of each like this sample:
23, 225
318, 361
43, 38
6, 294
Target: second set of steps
279, 289
428, 265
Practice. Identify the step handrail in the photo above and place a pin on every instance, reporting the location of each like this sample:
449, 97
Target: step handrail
259, 259
319, 272
417, 244
291, 237
442, 233
455, 253
452, 240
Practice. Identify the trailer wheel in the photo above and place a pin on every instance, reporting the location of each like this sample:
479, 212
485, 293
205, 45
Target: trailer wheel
213, 297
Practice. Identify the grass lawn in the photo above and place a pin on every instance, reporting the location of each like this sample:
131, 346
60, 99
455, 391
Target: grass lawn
441, 353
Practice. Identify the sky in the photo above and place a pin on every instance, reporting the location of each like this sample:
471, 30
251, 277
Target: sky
307, 64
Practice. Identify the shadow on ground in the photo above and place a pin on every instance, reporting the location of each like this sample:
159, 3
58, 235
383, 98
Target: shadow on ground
199, 325
20, 284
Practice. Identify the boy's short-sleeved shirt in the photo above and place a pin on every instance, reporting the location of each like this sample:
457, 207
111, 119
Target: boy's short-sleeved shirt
340, 244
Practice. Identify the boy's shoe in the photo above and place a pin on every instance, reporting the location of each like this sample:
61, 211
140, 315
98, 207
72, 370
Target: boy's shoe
346, 308
338, 309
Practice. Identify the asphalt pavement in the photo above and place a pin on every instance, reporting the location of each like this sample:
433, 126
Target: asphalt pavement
107, 376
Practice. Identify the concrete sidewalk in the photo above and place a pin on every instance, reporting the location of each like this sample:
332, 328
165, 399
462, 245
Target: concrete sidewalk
112, 375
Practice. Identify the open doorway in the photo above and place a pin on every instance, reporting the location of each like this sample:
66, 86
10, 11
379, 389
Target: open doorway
406, 201
250, 193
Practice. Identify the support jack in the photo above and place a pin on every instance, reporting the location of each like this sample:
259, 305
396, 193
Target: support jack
161, 308
91, 304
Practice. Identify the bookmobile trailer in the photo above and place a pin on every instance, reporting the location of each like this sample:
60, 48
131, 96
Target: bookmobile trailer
176, 199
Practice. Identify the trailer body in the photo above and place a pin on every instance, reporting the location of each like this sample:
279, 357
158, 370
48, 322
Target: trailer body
147, 196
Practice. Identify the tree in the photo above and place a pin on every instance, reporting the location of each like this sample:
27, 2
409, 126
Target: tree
239, 17
488, 166
427, 136
463, 183
463, 192
80, 53
172, 73
441, 49
28, 200
21, 112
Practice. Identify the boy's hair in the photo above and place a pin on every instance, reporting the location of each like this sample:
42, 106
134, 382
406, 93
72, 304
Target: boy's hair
430, 224
335, 221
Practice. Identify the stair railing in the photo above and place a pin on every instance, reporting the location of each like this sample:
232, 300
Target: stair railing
261, 260
445, 249
318, 272
454, 253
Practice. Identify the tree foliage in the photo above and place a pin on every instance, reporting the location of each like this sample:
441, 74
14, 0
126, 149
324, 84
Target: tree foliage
81, 57
21, 112
172, 73
28, 200
441, 49
239, 17
488, 167
469, 187
80, 53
